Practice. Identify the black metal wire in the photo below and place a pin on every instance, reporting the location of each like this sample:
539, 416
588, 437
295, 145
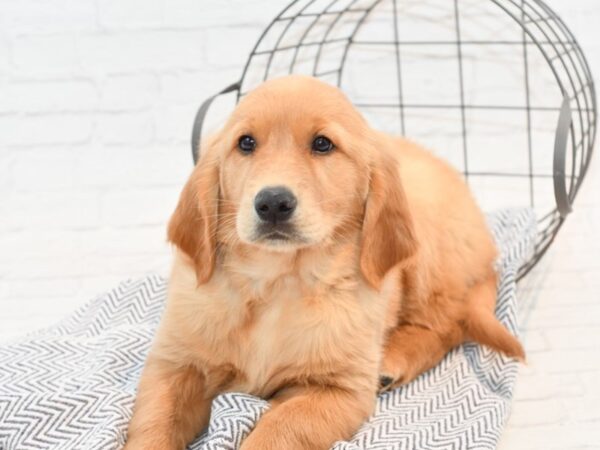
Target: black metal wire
290, 22
454, 43
560, 56
398, 67
541, 32
325, 37
292, 47
305, 34
459, 106
461, 86
528, 114
351, 40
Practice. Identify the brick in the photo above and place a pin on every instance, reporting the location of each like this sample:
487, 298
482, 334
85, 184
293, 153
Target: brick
40, 17
26, 244
565, 361
119, 14
537, 412
94, 241
590, 383
134, 166
581, 410
539, 385
190, 87
534, 341
45, 129
5, 60
129, 92
211, 13
563, 316
49, 96
40, 56
534, 438
30, 308
125, 128
44, 288
6, 172
45, 210
40, 172
152, 206
181, 96
126, 52
230, 47
54, 266
93, 286
39, 258
86, 267
573, 337
5, 287
565, 282
591, 278
573, 297
138, 265
150, 240
583, 435
174, 123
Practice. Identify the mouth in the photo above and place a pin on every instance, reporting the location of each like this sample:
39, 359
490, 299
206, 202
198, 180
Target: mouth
277, 234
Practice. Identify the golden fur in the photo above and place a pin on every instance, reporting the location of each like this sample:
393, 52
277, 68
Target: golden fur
393, 268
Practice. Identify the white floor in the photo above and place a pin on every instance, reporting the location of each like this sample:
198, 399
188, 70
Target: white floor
557, 400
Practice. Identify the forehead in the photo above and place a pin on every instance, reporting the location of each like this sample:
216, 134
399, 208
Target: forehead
296, 104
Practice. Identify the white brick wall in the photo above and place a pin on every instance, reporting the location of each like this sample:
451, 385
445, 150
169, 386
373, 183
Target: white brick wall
96, 103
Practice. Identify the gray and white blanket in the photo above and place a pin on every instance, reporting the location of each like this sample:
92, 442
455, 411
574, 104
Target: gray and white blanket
72, 386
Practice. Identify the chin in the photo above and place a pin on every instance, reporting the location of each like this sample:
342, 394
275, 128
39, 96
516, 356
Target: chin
276, 241
280, 244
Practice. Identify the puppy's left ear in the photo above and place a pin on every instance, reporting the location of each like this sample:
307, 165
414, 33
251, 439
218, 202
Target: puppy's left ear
388, 236
193, 225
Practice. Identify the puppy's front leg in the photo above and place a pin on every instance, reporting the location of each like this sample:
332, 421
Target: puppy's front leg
170, 409
310, 418
411, 350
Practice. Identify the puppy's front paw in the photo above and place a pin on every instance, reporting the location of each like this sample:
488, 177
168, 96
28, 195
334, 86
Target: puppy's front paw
395, 371
385, 383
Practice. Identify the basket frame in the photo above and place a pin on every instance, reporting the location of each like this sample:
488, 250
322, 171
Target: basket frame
559, 54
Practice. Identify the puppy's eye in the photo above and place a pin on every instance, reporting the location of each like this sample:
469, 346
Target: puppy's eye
246, 144
321, 144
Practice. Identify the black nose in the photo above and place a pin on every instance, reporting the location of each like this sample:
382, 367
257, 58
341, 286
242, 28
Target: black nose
275, 204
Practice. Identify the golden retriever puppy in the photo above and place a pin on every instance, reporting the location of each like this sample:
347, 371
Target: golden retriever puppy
317, 261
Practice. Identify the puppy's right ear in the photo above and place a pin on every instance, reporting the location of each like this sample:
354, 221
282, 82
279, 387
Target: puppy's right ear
193, 225
388, 235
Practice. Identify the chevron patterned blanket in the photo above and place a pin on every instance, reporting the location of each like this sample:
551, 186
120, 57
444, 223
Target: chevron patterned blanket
72, 386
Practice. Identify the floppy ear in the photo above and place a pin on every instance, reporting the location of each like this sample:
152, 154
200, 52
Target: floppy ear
387, 234
193, 225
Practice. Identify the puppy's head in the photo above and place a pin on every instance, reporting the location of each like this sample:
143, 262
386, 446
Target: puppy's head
295, 166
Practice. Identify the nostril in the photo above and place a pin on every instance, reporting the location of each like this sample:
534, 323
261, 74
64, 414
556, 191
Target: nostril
264, 207
284, 207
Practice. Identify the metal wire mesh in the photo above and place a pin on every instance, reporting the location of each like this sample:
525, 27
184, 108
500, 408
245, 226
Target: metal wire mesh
493, 86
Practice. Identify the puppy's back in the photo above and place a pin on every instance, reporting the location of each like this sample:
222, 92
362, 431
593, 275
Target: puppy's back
451, 229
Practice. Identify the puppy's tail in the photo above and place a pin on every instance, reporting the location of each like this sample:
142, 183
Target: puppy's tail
482, 326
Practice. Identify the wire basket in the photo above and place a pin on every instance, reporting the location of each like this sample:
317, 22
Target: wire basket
499, 88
